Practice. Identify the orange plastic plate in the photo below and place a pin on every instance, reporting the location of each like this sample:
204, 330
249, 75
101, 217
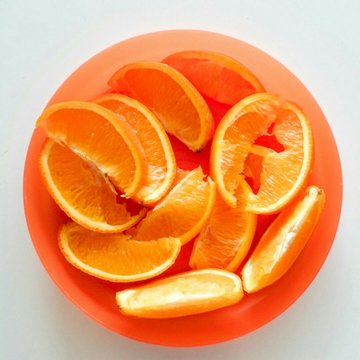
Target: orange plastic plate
96, 297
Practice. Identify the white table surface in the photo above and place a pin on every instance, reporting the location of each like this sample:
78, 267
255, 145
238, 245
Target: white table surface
42, 42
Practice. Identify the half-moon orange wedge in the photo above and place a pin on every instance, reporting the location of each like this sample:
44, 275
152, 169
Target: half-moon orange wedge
183, 212
225, 239
171, 97
116, 257
82, 191
283, 241
215, 75
283, 173
100, 137
189, 293
155, 142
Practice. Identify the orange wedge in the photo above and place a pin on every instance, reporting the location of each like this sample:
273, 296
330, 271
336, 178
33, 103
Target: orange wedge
225, 239
155, 142
189, 293
283, 172
283, 241
116, 257
100, 137
171, 97
82, 192
215, 75
183, 212
180, 174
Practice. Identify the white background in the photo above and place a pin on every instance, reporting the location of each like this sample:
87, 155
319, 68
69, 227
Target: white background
42, 42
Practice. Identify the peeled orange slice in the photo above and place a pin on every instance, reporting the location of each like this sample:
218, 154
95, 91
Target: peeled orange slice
171, 97
215, 75
100, 137
189, 293
183, 212
180, 174
283, 241
225, 239
83, 192
116, 257
236, 146
155, 142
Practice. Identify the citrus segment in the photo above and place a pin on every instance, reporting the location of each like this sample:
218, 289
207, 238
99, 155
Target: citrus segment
225, 239
82, 192
173, 99
189, 293
155, 142
283, 241
183, 212
99, 136
180, 174
116, 257
283, 174
215, 75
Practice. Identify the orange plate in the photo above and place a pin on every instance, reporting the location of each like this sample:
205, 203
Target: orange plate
97, 298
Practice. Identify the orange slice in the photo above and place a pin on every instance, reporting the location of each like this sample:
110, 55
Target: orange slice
225, 239
180, 174
283, 172
215, 75
283, 241
183, 212
173, 99
116, 257
82, 192
100, 137
189, 293
155, 142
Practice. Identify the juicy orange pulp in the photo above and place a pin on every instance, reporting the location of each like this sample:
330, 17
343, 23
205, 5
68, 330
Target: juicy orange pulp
116, 257
282, 174
100, 137
184, 294
225, 239
82, 191
183, 212
172, 98
215, 75
155, 142
283, 241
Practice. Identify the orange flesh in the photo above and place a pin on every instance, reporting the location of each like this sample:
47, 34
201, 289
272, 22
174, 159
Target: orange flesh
283, 241
252, 171
225, 239
183, 212
155, 142
282, 173
240, 138
116, 257
161, 100
97, 135
171, 97
82, 191
215, 75
185, 294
